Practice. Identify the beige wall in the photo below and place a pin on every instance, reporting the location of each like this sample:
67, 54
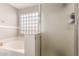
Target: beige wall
8, 21
57, 33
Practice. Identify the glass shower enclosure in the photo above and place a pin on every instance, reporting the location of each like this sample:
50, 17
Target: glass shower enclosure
59, 29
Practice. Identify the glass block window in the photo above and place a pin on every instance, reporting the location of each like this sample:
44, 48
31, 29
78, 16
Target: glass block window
29, 23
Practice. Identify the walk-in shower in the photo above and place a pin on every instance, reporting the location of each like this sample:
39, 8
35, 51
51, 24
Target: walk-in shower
59, 28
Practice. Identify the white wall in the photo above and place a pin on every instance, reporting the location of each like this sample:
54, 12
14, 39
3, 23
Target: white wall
30, 9
8, 21
57, 33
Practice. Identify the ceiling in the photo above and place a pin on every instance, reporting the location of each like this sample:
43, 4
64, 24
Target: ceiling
22, 5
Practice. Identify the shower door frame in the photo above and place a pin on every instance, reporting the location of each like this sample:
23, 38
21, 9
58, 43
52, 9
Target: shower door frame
76, 29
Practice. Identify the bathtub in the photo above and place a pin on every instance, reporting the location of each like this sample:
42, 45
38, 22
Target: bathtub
6, 52
13, 46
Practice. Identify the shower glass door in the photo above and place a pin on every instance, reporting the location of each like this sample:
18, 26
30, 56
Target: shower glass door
57, 29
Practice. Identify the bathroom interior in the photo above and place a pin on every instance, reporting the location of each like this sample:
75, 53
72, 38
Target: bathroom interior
39, 29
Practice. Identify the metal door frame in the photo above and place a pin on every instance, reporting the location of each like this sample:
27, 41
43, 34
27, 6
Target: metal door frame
76, 30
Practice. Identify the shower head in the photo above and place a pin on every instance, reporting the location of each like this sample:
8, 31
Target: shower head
72, 17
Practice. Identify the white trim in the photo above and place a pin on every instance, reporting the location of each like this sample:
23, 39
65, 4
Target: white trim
10, 27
